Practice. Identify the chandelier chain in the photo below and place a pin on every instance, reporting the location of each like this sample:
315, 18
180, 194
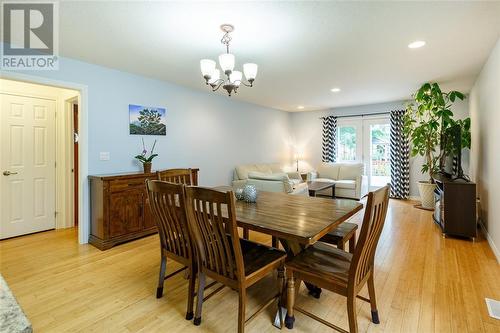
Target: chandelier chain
226, 39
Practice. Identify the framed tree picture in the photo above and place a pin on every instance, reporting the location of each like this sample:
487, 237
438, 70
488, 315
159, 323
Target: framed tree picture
147, 120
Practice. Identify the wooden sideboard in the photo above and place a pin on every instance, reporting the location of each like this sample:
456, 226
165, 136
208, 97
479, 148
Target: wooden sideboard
119, 208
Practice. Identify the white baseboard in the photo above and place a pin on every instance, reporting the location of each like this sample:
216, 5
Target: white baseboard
490, 241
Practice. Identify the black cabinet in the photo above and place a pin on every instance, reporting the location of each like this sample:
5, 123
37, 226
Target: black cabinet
455, 210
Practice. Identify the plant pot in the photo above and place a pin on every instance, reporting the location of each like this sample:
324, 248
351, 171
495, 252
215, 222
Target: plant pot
147, 167
426, 191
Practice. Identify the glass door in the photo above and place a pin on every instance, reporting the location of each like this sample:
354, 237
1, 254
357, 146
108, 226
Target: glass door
377, 152
366, 140
349, 141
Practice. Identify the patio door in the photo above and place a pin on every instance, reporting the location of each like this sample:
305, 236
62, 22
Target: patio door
376, 151
366, 140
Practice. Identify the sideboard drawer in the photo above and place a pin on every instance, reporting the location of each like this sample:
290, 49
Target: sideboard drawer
125, 184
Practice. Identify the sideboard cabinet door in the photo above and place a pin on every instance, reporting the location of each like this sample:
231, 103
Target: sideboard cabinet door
126, 212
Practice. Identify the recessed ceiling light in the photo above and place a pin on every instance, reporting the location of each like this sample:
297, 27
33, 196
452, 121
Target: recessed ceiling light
300, 107
335, 90
416, 44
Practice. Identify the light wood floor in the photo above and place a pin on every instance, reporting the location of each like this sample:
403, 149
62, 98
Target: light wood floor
424, 283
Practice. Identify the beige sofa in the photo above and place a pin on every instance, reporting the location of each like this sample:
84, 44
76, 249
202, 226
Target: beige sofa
269, 178
350, 181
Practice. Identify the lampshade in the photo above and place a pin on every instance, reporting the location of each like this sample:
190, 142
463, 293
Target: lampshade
226, 62
235, 78
250, 71
207, 67
214, 76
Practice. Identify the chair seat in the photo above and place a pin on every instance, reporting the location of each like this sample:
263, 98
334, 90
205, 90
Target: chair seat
257, 256
341, 233
324, 261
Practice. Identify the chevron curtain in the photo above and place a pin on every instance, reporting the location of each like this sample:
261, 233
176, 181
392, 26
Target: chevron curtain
400, 158
329, 139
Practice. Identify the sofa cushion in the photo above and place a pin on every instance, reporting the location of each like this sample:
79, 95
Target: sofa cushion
328, 170
267, 176
345, 183
264, 168
350, 171
325, 180
243, 170
275, 168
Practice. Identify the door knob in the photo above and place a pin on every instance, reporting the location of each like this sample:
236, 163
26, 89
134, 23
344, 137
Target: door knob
8, 173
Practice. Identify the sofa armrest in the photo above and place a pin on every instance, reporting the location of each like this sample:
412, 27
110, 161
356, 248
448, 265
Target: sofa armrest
294, 175
239, 183
361, 186
300, 189
311, 175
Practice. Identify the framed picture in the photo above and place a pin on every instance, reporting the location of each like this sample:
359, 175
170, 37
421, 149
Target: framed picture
147, 120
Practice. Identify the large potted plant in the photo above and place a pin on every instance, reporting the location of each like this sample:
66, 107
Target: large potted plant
426, 121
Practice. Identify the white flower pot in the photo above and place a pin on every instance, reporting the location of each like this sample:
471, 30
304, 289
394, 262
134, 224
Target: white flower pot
426, 191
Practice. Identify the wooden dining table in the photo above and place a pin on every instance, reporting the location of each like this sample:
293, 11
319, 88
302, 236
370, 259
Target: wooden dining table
297, 221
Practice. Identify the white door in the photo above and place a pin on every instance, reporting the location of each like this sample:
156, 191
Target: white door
27, 161
376, 151
366, 140
350, 140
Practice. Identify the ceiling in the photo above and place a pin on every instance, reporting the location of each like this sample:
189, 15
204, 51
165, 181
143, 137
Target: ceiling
303, 49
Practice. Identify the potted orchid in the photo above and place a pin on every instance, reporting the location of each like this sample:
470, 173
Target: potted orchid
146, 159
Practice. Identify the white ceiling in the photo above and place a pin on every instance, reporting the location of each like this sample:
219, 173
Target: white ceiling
303, 48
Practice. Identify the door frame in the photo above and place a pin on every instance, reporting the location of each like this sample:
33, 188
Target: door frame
83, 189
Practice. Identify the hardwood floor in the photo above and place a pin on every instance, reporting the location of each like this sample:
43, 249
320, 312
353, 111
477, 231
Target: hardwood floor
424, 283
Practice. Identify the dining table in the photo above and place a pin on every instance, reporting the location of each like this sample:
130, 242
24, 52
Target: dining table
297, 221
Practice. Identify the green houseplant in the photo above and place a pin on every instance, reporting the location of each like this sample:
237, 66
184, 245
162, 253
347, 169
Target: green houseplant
427, 121
146, 159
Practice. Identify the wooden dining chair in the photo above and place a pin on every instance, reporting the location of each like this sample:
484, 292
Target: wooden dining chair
345, 232
167, 202
178, 176
222, 255
339, 271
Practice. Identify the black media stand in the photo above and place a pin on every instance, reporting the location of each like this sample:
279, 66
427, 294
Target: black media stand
455, 209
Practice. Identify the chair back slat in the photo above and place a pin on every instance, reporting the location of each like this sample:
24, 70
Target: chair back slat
178, 176
373, 223
168, 206
212, 221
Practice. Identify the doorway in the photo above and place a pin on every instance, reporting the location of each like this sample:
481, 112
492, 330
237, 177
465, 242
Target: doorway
35, 158
366, 140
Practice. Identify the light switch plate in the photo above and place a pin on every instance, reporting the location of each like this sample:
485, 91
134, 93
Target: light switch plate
104, 156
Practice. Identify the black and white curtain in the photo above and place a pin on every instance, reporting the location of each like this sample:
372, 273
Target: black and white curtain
329, 139
400, 158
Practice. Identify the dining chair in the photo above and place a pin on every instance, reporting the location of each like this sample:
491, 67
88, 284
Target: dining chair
223, 256
167, 202
178, 176
339, 271
345, 232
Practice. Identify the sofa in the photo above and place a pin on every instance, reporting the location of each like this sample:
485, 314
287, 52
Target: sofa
269, 178
350, 181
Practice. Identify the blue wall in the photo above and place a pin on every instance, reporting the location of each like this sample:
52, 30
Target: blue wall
204, 129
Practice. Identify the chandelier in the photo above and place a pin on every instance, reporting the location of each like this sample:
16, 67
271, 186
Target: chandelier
233, 79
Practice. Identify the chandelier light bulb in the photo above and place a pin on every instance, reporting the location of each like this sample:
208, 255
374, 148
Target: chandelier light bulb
250, 71
207, 67
214, 77
226, 62
235, 78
